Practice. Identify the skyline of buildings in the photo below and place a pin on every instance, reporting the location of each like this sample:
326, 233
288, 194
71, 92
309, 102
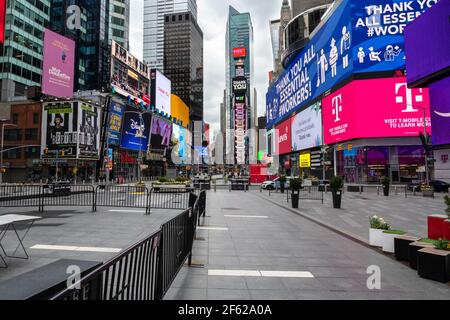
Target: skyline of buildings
153, 39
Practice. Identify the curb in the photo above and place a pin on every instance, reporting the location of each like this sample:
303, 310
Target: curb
355, 238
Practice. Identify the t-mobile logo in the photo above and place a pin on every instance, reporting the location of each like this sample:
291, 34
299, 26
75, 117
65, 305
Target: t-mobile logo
406, 96
337, 107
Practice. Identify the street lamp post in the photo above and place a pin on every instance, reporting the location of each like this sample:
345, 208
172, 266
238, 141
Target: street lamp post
1, 153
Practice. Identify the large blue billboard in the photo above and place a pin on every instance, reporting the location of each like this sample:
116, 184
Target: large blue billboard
360, 36
115, 123
378, 25
325, 61
135, 129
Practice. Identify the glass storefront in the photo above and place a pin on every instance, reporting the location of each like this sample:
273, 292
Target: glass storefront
401, 164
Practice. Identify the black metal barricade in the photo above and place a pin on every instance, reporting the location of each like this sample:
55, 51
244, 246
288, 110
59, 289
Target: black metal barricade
169, 198
66, 195
131, 275
146, 270
313, 193
20, 196
122, 197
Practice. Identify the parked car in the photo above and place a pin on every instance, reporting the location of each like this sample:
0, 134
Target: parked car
439, 186
275, 183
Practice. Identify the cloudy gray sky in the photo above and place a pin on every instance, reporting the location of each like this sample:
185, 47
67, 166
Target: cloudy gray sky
212, 17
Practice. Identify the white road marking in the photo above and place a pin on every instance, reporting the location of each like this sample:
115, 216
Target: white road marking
287, 274
212, 228
251, 217
133, 211
257, 273
73, 248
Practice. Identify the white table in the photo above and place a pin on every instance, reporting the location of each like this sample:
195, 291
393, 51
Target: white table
7, 222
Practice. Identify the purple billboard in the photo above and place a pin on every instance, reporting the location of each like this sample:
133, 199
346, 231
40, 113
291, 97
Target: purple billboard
161, 134
58, 65
427, 44
440, 111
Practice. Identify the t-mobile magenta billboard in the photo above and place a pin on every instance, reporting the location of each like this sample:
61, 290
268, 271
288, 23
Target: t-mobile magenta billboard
375, 108
58, 66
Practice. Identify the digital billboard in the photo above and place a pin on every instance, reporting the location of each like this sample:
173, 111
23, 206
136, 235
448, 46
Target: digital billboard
325, 61
129, 76
161, 89
2, 20
378, 27
239, 52
307, 128
58, 65
375, 108
440, 111
135, 129
115, 123
161, 133
179, 140
284, 137
427, 44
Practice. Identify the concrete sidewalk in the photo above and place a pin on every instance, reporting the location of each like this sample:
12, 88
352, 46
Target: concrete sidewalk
258, 245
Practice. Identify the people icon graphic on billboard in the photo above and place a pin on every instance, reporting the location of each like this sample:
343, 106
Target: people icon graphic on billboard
345, 46
333, 57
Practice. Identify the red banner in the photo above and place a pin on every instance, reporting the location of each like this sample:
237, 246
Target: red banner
2, 20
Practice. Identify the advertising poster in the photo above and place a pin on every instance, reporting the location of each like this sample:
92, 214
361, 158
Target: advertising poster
323, 63
115, 123
440, 111
284, 137
135, 130
58, 65
89, 132
378, 27
2, 20
161, 133
305, 160
161, 89
59, 130
179, 142
375, 108
129, 76
307, 128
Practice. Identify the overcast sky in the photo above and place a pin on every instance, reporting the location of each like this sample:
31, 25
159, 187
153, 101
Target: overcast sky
212, 18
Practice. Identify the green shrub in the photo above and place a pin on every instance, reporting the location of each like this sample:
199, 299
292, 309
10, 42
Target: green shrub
442, 244
336, 183
378, 223
295, 184
163, 179
395, 232
385, 181
447, 202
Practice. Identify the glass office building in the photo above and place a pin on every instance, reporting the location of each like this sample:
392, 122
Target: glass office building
239, 34
154, 12
183, 60
119, 22
21, 54
92, 53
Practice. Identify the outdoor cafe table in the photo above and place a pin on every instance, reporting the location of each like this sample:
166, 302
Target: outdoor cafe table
7, 222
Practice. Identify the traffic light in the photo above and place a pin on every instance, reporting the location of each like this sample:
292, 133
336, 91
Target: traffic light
63, 153
3, 170
46, 151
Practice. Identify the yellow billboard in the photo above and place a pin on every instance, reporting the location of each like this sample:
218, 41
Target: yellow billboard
305, 160
179, 110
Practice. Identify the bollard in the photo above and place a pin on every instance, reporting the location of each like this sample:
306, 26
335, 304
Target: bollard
378, 190
245, 187
215, 187
360, 190
230, 188
396, 190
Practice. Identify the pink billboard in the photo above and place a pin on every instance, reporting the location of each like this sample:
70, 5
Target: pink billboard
375, 108
58, 66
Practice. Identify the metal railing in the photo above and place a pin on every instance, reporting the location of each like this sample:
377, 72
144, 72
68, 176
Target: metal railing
307, 193
68, 195
146, 270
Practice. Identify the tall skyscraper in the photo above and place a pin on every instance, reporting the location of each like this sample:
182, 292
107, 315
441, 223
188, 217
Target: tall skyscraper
277, 35
91, 39
21, 54
119, 22
183, 60
154, 12
239, 80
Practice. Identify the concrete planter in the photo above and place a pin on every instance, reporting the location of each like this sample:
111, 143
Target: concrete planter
434, 264
389, 242
376, 237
